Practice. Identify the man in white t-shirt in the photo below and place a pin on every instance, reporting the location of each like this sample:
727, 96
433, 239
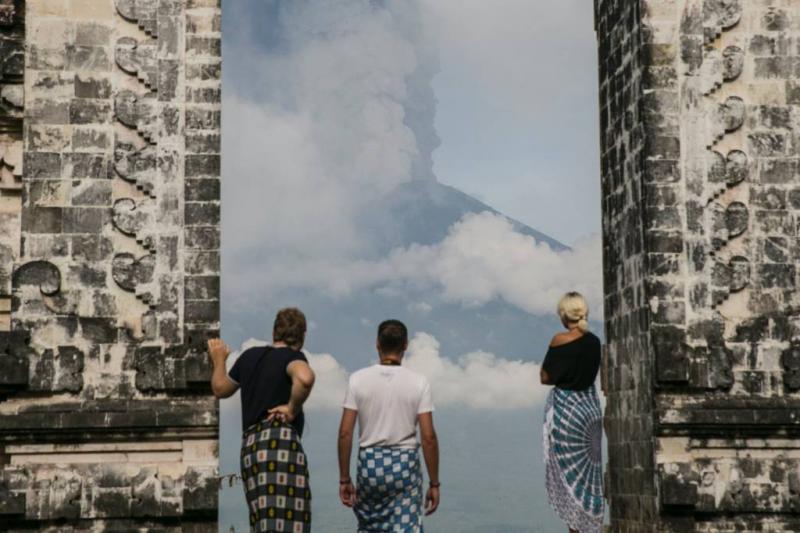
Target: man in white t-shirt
389, 401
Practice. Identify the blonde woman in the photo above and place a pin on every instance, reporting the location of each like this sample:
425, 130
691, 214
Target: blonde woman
573, 420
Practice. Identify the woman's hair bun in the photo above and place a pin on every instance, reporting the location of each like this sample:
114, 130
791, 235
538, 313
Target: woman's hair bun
572, 309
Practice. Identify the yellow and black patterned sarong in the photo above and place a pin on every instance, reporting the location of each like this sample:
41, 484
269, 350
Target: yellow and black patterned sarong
275, 474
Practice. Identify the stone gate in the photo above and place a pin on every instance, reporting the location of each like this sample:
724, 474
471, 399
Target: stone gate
109, 263
700, 135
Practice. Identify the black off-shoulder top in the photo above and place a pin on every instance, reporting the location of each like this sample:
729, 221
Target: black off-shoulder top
574, 365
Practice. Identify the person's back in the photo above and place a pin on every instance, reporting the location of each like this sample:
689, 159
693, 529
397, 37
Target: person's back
573, 427
573, 365
275, 381
389, 402
261, 373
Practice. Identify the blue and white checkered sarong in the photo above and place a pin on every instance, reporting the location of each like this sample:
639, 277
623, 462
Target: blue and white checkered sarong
389, 493
573, 434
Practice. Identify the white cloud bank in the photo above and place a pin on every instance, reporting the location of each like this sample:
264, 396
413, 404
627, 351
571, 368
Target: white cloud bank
477, 380
482, 259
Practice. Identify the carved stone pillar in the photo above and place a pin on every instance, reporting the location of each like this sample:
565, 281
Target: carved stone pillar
700, 124
109, 262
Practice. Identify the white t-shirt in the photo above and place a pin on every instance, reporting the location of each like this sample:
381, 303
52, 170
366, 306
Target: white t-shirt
388, 400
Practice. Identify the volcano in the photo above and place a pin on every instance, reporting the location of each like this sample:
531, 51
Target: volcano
419, 212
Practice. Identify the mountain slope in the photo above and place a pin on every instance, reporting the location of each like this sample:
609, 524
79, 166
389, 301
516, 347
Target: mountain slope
421, 212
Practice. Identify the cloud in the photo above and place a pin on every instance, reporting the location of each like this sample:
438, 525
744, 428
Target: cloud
481, 259
420, 308
477, 380
484, 258
330, 384
337, 111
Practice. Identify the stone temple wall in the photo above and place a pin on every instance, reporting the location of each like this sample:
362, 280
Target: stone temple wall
701, 194
627, 374
109, 263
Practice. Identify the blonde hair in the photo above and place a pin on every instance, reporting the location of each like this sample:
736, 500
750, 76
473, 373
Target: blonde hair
572, 309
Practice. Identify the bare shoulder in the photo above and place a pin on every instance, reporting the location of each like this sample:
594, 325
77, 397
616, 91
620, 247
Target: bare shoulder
565, 337
299, 368
560, 338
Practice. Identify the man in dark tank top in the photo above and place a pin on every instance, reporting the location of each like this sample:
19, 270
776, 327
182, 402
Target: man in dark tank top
275, 381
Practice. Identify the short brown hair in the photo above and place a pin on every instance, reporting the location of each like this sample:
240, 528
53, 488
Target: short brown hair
290, 327
392, 337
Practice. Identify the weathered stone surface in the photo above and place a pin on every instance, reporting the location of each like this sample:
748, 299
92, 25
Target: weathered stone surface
701, 262
790, 360
733, 58
732, 113
134, 219
106, 294
736, 219
142, 12
137, 112
137, 166
43, 274
58, 371
14, 361
138, 59
130, 272
677, 490
171, 370
201, 493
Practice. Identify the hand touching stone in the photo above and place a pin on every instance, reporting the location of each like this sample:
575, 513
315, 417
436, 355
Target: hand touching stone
218, 351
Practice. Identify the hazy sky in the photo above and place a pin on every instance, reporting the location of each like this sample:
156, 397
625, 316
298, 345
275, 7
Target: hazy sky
517, 109
330, 107
515, 86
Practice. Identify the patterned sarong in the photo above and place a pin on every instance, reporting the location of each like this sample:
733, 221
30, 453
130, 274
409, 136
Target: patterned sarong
573, 457
275, 474
389, 493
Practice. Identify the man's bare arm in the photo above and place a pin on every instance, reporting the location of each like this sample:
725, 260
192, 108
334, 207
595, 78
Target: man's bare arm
302, 382
345, 447
544, 377
430, 445
346, 429
221, 385
430, 449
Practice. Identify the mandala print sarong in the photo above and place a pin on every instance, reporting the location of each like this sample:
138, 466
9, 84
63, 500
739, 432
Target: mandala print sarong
389, 493
275, 475
573, 458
